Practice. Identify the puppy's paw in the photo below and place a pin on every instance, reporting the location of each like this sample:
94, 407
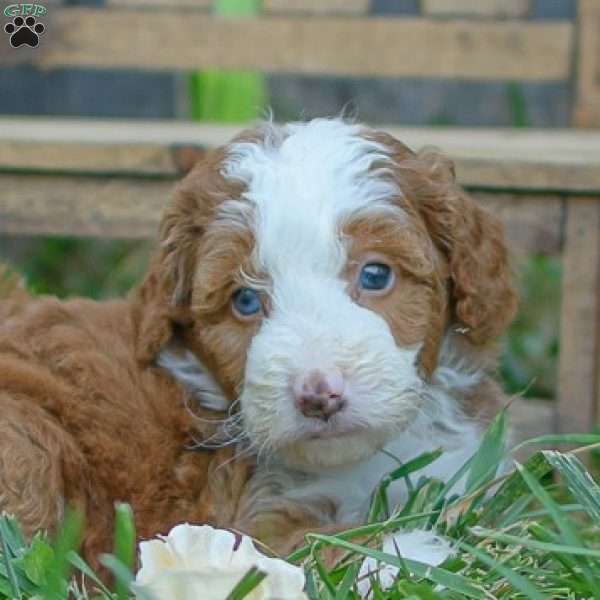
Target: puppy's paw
422, 546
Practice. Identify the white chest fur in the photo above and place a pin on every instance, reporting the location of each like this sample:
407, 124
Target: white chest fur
351, 488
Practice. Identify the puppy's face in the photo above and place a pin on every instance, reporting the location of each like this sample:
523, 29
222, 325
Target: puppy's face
318, 266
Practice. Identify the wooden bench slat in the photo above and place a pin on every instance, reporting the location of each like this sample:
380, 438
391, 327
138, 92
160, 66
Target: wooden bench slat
533, 224
130, 207
394, 47
81, 206
316, 7
580, 318
587, 101
564, 161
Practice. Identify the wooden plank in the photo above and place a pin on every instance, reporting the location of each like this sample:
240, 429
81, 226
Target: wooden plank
580, 317
529, 418
85, 206
138, 159
316, 7
130, 207
481, 8
516, 50
161, 4
533, 224
587, 108
528, 160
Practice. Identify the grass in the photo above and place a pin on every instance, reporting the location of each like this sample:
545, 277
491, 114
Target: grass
532, 531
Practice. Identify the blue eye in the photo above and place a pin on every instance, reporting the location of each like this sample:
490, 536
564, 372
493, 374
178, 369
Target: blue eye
375, 276
247, 302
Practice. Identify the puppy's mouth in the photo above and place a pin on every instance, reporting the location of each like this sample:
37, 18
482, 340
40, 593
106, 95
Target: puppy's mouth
339, 432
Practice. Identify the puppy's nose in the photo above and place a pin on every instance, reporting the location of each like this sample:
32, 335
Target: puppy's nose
319, 394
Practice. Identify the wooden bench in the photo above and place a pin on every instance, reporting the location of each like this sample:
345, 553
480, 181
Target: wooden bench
110, 178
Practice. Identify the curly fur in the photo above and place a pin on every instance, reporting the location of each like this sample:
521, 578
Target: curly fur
92, 410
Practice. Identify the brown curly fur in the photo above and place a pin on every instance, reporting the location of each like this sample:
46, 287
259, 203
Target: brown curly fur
87, 419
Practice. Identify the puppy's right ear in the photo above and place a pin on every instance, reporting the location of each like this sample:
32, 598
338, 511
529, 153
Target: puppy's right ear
162, 302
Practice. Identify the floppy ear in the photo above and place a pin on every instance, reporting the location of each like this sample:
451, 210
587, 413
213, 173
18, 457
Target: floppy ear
161, 303
483, 297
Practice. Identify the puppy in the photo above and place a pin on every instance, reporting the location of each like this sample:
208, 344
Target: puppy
322, 298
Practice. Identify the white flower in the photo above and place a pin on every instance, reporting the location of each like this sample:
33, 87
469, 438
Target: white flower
418, 545
200, 562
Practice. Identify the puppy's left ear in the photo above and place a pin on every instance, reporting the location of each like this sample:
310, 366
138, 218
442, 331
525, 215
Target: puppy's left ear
483, 297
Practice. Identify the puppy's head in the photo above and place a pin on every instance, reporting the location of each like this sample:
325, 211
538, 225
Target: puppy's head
313, 270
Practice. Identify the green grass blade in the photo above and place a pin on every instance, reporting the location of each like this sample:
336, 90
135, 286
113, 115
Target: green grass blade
416, 464
563, 523
250, 581
584, 489
584, 439
7, 560
513, 488
121, 572
124, 544
363, 531
84, 568
345, 586
452, 581
488, 457
519, 582
67, 541
534, 544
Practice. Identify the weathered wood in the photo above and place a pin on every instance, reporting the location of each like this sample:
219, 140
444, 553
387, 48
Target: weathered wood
316, 7
130, 207
587, 108
162, 4
497, 159
580, 317
516, 50
533, 224
529, 418
82, 206
480, 8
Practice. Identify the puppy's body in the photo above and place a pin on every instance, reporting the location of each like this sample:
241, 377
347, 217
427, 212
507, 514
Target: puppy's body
81, 424
330, 293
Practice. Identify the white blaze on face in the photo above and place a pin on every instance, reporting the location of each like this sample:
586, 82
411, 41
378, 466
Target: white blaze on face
305, 181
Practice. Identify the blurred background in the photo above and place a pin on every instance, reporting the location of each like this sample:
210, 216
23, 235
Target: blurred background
102, 268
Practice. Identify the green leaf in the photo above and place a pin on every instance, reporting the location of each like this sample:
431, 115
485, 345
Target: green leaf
490, 453
7, 559
67, 541
563, 523
534, 544
365, 530
345, 587
416, 464
514, 488
452, 581
124, 548
122, 574
37, 560
249, 582
84, 568
578, 480
517, 581
585, 439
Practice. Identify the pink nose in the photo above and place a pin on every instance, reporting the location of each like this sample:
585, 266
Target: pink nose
319, 394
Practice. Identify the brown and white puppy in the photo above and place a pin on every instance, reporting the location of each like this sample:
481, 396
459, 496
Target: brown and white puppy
333, 293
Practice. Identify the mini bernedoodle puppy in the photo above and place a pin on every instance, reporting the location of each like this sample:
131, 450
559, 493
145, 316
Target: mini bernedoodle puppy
319, 293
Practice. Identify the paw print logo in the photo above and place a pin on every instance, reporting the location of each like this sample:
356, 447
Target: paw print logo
24, 32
